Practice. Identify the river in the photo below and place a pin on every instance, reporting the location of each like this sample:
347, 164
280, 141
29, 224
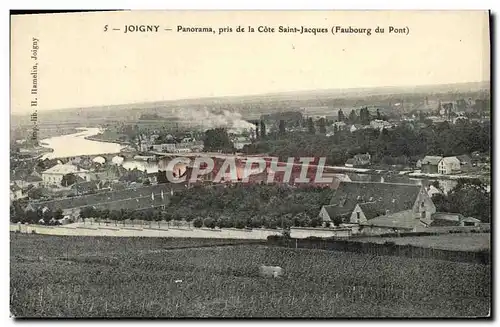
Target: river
77, 145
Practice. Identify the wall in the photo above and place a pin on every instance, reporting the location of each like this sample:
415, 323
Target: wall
80, 229
318, 232
429, 169
374, 230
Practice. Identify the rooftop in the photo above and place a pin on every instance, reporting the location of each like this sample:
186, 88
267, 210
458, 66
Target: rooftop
391, 196
431, 160
406, 219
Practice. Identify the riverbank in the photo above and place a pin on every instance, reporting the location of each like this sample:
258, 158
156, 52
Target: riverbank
96, 138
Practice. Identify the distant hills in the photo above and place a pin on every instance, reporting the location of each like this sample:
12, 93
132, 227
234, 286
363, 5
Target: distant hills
254, 105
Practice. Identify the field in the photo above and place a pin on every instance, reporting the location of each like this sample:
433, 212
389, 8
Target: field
61, 276
459, 241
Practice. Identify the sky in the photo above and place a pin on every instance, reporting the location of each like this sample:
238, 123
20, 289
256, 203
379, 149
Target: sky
80, 65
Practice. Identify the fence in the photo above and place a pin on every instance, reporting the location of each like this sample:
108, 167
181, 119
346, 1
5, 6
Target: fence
388, 248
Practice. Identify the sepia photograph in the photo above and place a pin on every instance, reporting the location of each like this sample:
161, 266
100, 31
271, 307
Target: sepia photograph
250, 164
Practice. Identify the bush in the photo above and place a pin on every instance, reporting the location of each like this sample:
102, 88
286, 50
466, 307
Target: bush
198, 222
239, 223
209, 222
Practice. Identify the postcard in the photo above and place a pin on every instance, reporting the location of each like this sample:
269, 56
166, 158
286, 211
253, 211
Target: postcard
250, 164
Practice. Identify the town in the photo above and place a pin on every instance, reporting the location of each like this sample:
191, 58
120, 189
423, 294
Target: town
390, 169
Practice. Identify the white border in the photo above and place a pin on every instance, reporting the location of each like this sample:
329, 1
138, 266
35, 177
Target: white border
190, 4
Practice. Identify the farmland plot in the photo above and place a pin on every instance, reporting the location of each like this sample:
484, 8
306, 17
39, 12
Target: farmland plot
84, 277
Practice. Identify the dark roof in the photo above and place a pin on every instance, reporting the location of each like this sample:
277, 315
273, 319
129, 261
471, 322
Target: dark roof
372, 209
33, 178
14, 187
464, 159
431, 160
406, 219
390, 196
355, 177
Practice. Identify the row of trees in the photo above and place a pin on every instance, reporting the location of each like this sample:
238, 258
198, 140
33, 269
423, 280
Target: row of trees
49, 217
237, 206
405, 142
364, 117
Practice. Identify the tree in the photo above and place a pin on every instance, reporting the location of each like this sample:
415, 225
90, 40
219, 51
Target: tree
167, 216
262, 130
198, 222
282, 128
58, 214
209, 222
68, 180
341, 116
310, 126
158, 217
105, 214
379, 116
353, 117
322, 125
256, 222
47, 215
337, 220
35, 193
470, 198
217, 139
364, 116
239, 223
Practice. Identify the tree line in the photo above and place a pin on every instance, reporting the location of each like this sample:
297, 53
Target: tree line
403, 144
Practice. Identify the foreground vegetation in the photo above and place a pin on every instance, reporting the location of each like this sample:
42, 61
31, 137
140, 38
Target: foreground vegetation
126, 277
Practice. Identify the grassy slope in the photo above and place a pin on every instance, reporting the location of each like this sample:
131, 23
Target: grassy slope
108, 277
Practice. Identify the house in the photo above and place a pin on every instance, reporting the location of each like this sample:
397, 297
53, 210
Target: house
432, 190
460, 119
449, 165
330, 214
373, 199
89, 187
15, 192
359, 160
446, 219
340, 125
240, 142
429, 165
53, 176
380, 124
355, 127
111, 173
153, 177
394, 222
465, 162
33, 180
165, 147
366, 211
